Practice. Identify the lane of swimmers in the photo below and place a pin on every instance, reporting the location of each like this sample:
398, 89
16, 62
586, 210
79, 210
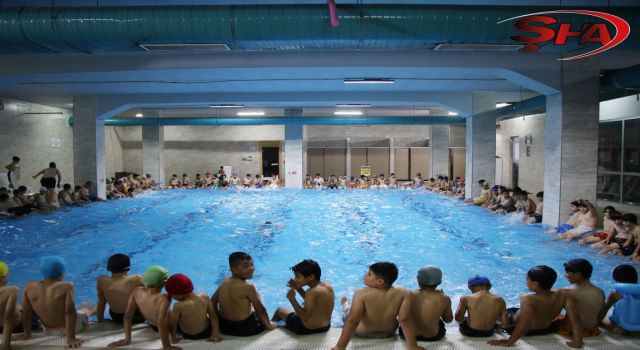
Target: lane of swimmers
378, 310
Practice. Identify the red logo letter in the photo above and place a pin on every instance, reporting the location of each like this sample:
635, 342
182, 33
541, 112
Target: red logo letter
544, 34
603, 34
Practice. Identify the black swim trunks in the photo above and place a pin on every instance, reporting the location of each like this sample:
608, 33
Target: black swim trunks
119, 318
511, 313
245, 328
48, 182
294, 324
470, 332
628, 250
19, 211
442, 331
202, 335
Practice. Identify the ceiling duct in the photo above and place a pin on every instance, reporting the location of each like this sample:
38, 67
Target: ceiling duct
184, 47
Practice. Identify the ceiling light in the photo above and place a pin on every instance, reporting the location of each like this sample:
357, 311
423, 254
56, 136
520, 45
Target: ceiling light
502, 104
256, 113
453, 113
347, 113
369, 81
139, 115
353, 105
226, 106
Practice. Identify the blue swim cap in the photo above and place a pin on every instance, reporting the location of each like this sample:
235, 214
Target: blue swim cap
478, 280
52, 266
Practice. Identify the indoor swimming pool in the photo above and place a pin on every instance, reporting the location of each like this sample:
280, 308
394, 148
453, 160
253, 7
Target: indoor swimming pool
193, 232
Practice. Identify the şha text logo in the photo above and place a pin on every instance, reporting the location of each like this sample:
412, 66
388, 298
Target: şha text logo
539, 23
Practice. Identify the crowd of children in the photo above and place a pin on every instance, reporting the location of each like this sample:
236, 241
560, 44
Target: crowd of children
379, 310
220, 181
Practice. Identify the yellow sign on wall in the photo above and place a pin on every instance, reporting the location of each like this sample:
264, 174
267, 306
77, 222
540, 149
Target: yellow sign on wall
365, 170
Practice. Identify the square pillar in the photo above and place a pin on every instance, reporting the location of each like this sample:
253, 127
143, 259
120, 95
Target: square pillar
293, 149
392, 157
153, 152
481, 143
88, 145
571, 140
439, 143
348, 158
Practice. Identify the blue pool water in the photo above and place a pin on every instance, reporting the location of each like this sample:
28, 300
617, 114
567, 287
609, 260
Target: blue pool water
193, 231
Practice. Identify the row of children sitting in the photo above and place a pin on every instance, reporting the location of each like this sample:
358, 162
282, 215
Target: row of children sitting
620, 234
442, 184
23, 203
498, 199
376, 310
220, 181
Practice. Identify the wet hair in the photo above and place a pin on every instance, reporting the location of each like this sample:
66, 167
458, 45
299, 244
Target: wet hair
387, 271
22, 189
77, 187
147, 175
615, 215
625, 274
257, 175
609, 208
249, 175
544, 275
575, 203
581, 266
238, 257
307, 268
432, 179
88, 183
66, 187
197, 175
632, 218
15, 158
4, 197
540, 194
16, 192
174, 175
52, 165
481, 182
184, 175
3, 189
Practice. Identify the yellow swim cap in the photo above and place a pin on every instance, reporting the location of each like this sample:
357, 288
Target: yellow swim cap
4, 269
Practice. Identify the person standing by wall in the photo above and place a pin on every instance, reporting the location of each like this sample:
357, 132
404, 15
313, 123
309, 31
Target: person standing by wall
13, 173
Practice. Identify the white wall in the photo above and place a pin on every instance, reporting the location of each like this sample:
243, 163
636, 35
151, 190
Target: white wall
112, 150
28, 136
531, 172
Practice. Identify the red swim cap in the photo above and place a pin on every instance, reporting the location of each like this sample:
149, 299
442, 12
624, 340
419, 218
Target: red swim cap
178, 284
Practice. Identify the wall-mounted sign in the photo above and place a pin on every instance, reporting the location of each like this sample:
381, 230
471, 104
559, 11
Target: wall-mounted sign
56, 143
528, 139
365, 170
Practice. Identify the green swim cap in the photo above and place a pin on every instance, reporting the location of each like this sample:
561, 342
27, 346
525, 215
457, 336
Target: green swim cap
4, 269
155, 276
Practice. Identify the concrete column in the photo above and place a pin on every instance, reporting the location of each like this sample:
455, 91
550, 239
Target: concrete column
439, 143
392, 157
571, 140
348, 158
305, 132
481, 142
293, 140
88, 144
153, 152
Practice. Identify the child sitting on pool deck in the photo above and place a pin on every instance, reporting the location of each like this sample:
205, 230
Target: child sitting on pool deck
149, 301
377, 308
192, 316
235, 298
9, 313
538, 310
628, 275
571, 222
116, 289
315, 316
52, 301
483, 307
588, 298
587, 221
430, 308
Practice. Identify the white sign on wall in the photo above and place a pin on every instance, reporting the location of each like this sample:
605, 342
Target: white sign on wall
56, 143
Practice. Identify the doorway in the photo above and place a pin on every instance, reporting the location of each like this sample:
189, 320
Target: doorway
515, 160
270, 161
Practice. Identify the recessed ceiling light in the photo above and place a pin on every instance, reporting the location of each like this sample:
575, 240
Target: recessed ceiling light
353, 105
255, 113
453, 113
139, 115
502, 104
347, 113
226, 106
369, 81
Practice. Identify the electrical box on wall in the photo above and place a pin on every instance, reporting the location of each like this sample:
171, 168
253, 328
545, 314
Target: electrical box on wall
247, 157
